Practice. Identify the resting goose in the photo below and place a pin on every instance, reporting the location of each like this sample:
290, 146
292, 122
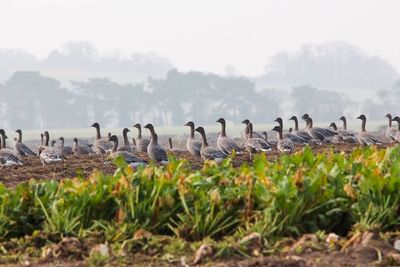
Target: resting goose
8, 157
48, 154
270, 142
224, 143
364, 137
127, 146
65, 150
79, 149
192, 145
294, 138
346, 136
154, 150
128, 157
21, 148
284, 145
142, 143
208, 152
391, 131
303, 134
101, 145
321, 134
255, 144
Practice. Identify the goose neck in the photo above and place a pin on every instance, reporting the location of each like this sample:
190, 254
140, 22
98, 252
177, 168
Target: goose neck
19, 140
126, 141
364, 122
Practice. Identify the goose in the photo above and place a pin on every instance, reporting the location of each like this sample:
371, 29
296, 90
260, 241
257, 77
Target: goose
101, 145
128, 157
397, 119
8, 157
346, 136
246, 133
327, 133
318, 133
142, 143
171, 147
127, 146
154, 150
255, 144
49, 154
192, 145
53, 143
65, 150
224, 143
208, 152
294, 138
391, 131
303, 134
284, 145
365, 138
21, 148
79, 149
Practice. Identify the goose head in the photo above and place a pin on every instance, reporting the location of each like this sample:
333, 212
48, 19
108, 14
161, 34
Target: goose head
46, 134
343, 118
279, 120
113, 138
190, 124
61, 139
246, 121
2, 132
75, 140
362, 117
18, 131
95, 125
305, 116
333, 125
200, 130
137, 125
125, 130
221, 120
293, 118
397, 118
276, 129
389, 116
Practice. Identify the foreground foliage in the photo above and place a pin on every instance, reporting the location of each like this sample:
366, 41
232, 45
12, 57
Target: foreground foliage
297, 194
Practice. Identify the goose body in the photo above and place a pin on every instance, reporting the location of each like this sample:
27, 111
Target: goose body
292, 137
79, 149
209, 152
321, 134
65, 150
49, 154
346, 136
128, 157
365, 138
21, 148
255, 144
284, 145
192, 145
397, 137
224, 143
391, 131
127, 145
141, 143
154, 150
101, 145
302, 134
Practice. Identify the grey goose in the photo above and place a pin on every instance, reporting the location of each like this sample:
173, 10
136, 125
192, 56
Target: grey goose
321, 134
224, 143
208, 152
20, 147
303, 134
346, 136
365, 138
391, 131
246, 133
255, 144
101, 145
284, 145
80, 149
293, 137
192, 145
156, 152
128, 157
65, 150
141, 143
127, 145
397, 119
49, 154
8, 157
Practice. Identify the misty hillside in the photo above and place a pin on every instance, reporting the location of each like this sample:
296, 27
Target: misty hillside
332, 65
82, 61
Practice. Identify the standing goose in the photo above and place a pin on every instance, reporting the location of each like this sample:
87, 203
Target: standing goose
208, 152
303, 134
327, 133
142, 143
391, 131
246, 133
21, 148
284, 145
292, 137
79, 149
127, 146
49, 154
65, 150
154, 150
346, 136
224, 143
364, 137
255, 144
128, 157
8, 157
101, 145
397, 119
192, 145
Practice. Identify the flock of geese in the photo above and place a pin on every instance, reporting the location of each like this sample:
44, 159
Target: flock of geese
253, 142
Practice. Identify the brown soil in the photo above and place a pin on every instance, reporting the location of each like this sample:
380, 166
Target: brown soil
73, 165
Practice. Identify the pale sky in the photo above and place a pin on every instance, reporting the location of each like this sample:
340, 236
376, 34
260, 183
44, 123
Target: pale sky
202, 35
